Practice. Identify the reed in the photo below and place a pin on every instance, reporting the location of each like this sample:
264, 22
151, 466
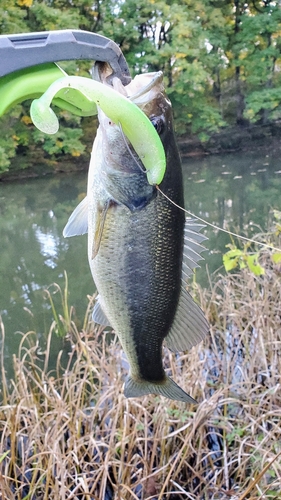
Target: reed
70, 433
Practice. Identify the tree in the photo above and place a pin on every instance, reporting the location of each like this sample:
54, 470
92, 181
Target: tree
19, 133
262, 55
220, 60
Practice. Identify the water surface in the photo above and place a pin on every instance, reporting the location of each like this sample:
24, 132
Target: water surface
236, 191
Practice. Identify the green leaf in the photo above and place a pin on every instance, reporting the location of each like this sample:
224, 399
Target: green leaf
254, 266
277, 215
232, 259
3, 456
235, 252
276, 257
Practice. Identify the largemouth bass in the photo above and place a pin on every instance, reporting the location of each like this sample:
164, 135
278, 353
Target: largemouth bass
140, 246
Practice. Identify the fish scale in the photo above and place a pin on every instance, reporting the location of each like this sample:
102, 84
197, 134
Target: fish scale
142, 266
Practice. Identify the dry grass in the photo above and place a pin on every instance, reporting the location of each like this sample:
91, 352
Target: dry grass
71, 434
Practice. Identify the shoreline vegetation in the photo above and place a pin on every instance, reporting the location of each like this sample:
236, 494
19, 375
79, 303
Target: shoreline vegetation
221, 64
71, 434
36, 163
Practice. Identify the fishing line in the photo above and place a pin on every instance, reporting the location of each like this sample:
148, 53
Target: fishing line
129, 150
265, 245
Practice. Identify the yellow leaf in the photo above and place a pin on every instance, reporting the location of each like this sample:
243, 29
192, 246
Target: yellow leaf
26, 120
250, 113
180, 55
25, 3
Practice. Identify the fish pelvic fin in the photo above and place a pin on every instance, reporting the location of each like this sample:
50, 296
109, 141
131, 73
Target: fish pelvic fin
168, 388
99, 315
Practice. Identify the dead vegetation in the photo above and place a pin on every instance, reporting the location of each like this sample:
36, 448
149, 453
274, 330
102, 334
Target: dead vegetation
71, 434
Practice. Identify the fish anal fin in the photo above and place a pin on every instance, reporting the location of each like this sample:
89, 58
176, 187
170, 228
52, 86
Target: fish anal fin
98, 315
78, 221
168, 388
189, 326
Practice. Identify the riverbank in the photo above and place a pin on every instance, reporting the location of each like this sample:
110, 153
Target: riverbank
71, 433
233, 139
36, 163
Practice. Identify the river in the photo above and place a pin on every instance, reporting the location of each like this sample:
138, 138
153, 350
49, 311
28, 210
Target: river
235, 191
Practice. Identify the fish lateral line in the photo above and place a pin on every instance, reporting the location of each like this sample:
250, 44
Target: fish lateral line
265, 245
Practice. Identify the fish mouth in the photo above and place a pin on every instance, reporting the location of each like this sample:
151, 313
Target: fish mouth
143, 94
143, 89
146, 92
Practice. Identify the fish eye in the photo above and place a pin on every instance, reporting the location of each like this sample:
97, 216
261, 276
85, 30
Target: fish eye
158, 124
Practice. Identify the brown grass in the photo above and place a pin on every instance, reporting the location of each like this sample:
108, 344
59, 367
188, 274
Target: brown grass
71, 434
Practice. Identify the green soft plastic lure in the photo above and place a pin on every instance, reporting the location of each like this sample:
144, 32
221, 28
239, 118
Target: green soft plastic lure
30, 83
89, 93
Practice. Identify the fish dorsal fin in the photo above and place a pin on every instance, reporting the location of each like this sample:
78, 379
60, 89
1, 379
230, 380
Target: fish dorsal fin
190, 325
192, 246
78, 221
98, 315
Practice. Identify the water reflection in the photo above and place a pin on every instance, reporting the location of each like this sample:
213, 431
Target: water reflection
234, 191
238, 193
34, 254
50, 243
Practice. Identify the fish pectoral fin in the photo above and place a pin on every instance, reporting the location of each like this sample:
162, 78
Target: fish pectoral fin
101, 216
189, 326
168, 388
98, 315
78, 221
192, 246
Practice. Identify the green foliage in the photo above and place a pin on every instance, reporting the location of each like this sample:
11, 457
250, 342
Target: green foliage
52, 16
277, 218
242, 258
264, 99
65, 141
7, 151
8, 142
12, 18
220, 60
237, 258
62, 320
276, 257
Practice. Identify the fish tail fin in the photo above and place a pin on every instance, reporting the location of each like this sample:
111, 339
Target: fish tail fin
168, 388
